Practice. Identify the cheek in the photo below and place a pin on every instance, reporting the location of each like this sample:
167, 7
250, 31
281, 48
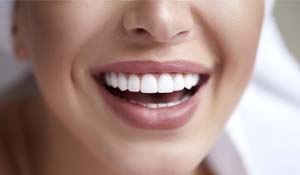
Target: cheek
56, 34
237, 34
236, 30
235, 27
55, 37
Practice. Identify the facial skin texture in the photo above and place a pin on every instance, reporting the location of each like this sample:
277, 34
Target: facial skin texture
63, 39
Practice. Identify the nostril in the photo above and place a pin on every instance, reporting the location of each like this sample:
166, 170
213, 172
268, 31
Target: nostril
182, 34
139, 34
140, 31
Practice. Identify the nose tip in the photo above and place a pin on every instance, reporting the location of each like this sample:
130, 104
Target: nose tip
158, 22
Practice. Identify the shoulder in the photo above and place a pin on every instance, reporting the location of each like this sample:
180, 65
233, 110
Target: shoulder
13, 104
13, 101
6, 165
8, 113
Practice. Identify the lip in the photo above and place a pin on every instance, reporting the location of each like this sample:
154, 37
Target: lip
142, 117
142, 67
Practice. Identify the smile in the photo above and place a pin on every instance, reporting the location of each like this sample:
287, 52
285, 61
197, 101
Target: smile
152, 95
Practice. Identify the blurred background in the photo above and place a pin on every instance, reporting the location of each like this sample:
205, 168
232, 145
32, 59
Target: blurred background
287, 15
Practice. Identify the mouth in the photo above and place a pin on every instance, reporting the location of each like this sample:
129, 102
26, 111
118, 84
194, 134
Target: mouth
152, 95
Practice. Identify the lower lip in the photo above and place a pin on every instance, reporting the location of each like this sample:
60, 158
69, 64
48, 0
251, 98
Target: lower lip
142, 117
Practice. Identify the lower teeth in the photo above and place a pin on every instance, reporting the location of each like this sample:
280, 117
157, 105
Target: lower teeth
161, 105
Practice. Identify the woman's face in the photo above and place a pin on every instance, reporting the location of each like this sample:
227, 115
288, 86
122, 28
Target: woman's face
155, 48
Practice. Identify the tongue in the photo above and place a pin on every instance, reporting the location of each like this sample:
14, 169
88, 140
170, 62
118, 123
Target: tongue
150, 98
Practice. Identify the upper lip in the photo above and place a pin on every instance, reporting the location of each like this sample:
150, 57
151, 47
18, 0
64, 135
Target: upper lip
142, 67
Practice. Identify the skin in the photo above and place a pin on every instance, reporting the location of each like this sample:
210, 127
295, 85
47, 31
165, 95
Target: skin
79, 133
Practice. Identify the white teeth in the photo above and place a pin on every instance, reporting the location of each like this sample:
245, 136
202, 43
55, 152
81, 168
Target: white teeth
178, 82
133, 83
122, 82
188, 81
108, 79
151, 105
165, 83
114, 80
160, 105
170, 104
196, 79
148, 84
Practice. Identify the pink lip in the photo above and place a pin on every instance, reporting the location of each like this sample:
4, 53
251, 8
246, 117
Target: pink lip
161, 118
141, 67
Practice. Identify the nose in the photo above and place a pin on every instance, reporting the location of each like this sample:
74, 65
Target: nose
161, 21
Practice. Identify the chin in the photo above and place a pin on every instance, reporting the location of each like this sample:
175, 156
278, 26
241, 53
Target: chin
159, 160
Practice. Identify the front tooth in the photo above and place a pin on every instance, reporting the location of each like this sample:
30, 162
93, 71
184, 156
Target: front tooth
178, 82
114, 80
122, 82
195, 79
148, 84
165, 83
170, 104
108, 79
133, 83
184, 98
162, 105
188, 81
151, 105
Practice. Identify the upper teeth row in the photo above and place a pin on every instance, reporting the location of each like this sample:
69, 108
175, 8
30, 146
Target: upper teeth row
151, 83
